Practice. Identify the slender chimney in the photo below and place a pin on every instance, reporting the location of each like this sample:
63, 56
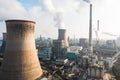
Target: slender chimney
90, 31
98, 25
62, 36
20, 59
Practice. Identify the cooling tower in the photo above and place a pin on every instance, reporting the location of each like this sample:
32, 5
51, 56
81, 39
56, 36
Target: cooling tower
2, 49
62, 36
20, 58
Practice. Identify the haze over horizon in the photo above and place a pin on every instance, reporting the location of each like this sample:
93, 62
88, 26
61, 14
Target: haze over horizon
49, 15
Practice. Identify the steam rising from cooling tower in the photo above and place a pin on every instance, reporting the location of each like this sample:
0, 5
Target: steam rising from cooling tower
57, 15
59, 21
20, 58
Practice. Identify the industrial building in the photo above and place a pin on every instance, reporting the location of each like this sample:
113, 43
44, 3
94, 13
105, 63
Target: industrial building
20, 59
95, 72
2, 48
83, 42
111, 44
96, 68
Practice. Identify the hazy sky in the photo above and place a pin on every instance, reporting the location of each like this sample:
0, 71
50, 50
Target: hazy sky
74, 13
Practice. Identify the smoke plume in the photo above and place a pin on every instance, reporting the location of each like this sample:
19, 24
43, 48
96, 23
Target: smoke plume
58, 18
88, 1
48, 6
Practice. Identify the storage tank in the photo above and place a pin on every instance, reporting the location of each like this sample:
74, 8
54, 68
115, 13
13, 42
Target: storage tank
20, 58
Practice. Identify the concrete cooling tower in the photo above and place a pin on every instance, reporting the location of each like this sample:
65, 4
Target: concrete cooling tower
62, 36
20, 59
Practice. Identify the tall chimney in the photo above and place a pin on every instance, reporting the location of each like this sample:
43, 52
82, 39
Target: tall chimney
90, 31
62, 36
20, 59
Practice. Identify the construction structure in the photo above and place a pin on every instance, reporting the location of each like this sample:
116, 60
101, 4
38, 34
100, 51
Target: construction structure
60, 46
20, 59
2, 49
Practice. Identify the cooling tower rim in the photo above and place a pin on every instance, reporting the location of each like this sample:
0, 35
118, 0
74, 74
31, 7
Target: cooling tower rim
61, 29
17, 20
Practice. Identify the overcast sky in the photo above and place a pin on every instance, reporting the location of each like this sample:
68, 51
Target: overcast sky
74, 13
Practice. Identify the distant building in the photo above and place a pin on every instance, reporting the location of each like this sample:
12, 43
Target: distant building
59, 48
83, 42
71, 55
45, 53
110, 43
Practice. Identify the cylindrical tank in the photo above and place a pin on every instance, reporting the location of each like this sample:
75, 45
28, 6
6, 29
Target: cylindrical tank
20, 58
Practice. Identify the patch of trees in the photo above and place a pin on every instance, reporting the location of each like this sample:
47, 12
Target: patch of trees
116, 71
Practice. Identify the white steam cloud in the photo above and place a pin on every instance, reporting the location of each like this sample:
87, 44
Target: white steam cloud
59, 20
50, 7
15, 10
47, 5
88, 1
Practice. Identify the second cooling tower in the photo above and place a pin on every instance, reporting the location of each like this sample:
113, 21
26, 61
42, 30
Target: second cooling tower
20, 58
62, 36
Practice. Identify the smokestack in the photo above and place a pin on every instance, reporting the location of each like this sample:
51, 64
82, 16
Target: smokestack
98, 25
2, 49
20, 59
62, 36
90, 31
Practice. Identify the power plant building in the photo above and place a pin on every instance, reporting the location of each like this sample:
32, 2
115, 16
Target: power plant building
95, 72
20, 59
